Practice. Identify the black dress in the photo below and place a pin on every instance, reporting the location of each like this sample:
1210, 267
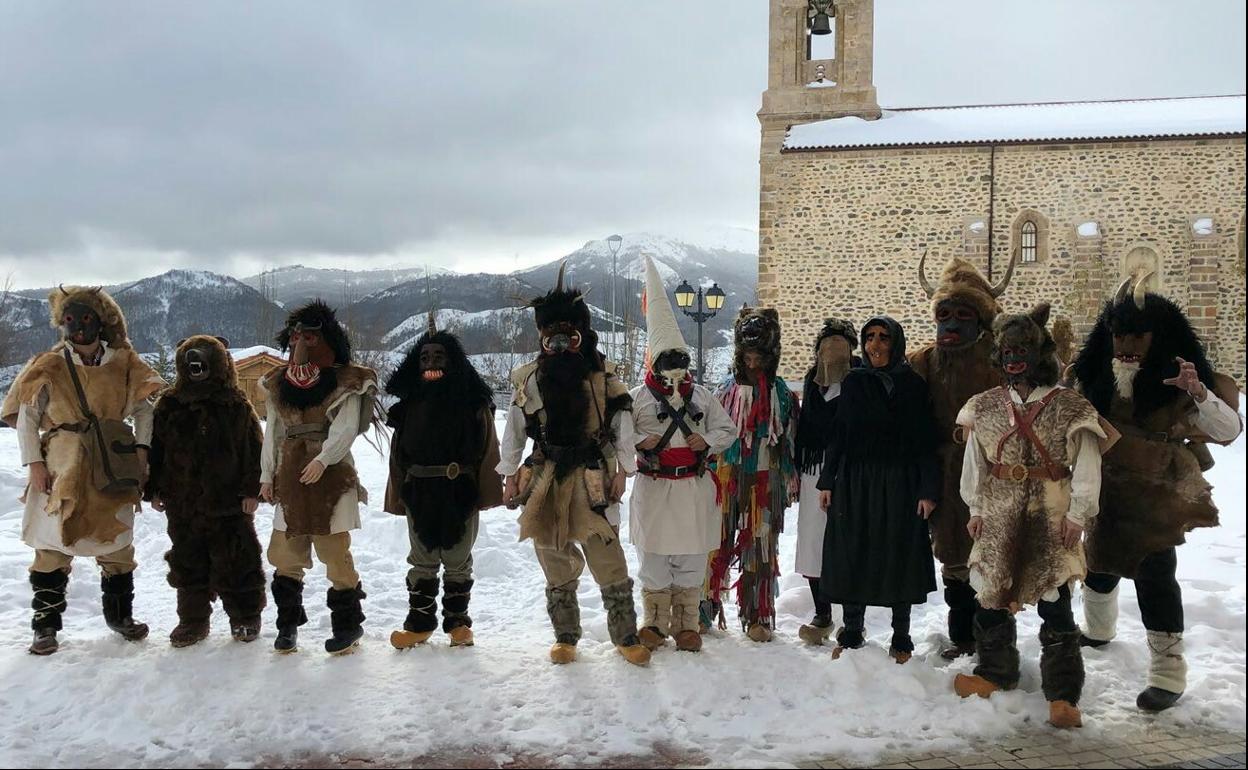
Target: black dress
880, 462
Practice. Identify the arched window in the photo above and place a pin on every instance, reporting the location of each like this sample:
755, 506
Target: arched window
1029, 242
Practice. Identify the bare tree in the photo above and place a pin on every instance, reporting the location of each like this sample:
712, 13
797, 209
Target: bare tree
7, 326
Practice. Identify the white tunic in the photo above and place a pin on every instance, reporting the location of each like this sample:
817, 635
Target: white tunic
678, 516
344, 427
811, 519
42, 530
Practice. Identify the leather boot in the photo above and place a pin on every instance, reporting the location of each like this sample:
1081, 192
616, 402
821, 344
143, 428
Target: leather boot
288, 597
48, 603
118, 600
346, 619
422, 614
194, 612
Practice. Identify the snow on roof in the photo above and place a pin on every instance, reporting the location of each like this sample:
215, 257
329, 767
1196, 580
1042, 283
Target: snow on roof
1064, 121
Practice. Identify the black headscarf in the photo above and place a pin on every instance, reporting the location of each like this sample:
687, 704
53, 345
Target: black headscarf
897, 356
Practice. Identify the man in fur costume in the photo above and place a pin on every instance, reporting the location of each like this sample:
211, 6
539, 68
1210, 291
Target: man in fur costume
317, 405
957, 366
1031, 476
74, 507
206, 478
1144, 369
579, 416
820, 395
673, 516
756, 476
442, 458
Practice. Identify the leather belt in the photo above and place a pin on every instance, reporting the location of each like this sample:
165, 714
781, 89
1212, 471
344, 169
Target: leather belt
1148, 435
1019, 472
450, 471
313, 431
670, 471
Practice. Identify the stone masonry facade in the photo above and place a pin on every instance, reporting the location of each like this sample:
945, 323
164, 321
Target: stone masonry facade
841, 232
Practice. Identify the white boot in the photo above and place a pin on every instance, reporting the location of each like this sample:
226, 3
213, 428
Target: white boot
1100, 616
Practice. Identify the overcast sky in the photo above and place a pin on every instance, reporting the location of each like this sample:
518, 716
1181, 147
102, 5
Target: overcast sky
233, 136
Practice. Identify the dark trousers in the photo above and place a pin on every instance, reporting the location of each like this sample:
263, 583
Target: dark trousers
1156, 588
854, 616
822, 605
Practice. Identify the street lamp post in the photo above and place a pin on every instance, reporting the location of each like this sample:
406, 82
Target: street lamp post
712, 300
613, 244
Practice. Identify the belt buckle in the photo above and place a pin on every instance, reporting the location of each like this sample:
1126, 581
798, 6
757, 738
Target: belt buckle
1019, 472
452, 471
680, 470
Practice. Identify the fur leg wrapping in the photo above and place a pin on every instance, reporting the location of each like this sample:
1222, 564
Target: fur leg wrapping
455, 596
48, 601
657, 607
617, 599
422, 606
117, 593
1061, 666
1100, 614
960, 598
346, 617
997, 647
685, 609
565, 613
288, 596
1167, 669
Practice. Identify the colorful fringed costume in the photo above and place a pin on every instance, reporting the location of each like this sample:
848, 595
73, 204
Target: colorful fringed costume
755, 478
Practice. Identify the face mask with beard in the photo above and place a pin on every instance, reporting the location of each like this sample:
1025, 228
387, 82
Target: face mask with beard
833, 360
957, 325
672, 366
81, 324
433, 362
1130, 349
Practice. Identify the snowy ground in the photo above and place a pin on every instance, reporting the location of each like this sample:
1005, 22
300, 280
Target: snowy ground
102, 701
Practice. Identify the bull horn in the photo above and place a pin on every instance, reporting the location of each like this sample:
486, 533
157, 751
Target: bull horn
431, 325
926, 284
559, 279
1137, 294
97, 289
61, 286
1120, 295
999, 289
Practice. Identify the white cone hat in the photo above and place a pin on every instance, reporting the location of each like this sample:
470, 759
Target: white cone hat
662, 333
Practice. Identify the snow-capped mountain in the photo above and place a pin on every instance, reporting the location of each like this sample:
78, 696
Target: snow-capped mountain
295, 284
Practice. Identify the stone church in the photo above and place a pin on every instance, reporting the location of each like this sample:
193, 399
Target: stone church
1080, 195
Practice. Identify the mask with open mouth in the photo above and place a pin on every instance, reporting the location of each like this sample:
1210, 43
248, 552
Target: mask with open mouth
81, 323
957, 324
433, 362
1024, 349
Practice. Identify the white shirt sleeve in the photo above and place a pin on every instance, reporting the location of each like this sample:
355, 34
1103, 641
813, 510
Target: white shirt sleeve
343, 430
1216, 419
1085, 480
144, 417
511, 448
974, 468
625, 450
28, 419
721, 431
274, 433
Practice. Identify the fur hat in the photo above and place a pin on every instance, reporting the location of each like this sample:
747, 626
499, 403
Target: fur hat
757, 330
317, 313
112, 321
1028, 330
837, 327
962, 282
662, 333
560, 304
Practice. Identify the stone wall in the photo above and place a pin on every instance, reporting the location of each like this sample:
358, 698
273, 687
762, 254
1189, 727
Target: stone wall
841, 232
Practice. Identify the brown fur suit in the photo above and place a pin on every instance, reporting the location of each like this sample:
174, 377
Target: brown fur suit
205, 459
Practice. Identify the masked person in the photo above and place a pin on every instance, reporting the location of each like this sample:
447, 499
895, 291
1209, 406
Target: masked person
878, 484
442, 458
756, 476
578, 414
1144, 370
956, 367
206, 478
1032, 480
833, 359
85, 466
317, 405
673, 516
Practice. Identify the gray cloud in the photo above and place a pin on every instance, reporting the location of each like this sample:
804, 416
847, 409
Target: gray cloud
231, 135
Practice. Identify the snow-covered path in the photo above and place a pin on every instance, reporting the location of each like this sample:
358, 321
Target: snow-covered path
103, 701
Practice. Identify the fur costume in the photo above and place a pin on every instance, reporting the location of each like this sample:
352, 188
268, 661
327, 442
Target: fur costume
954, 374
205, 460
1154, 490
114, 389
756, 477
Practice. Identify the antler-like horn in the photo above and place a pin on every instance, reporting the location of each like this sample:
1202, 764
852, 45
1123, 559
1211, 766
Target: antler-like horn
1120, 295
926, 284
1137, 294
999, 289
431, 325
559, 279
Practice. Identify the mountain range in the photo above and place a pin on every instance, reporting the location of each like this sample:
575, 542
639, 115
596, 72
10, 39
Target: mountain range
386, 309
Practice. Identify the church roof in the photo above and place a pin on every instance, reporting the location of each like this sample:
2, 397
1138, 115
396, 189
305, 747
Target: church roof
1201, 116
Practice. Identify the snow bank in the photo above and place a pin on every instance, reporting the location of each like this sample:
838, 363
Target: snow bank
103, 701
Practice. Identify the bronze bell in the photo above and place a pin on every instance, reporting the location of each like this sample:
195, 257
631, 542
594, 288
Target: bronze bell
820, 24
